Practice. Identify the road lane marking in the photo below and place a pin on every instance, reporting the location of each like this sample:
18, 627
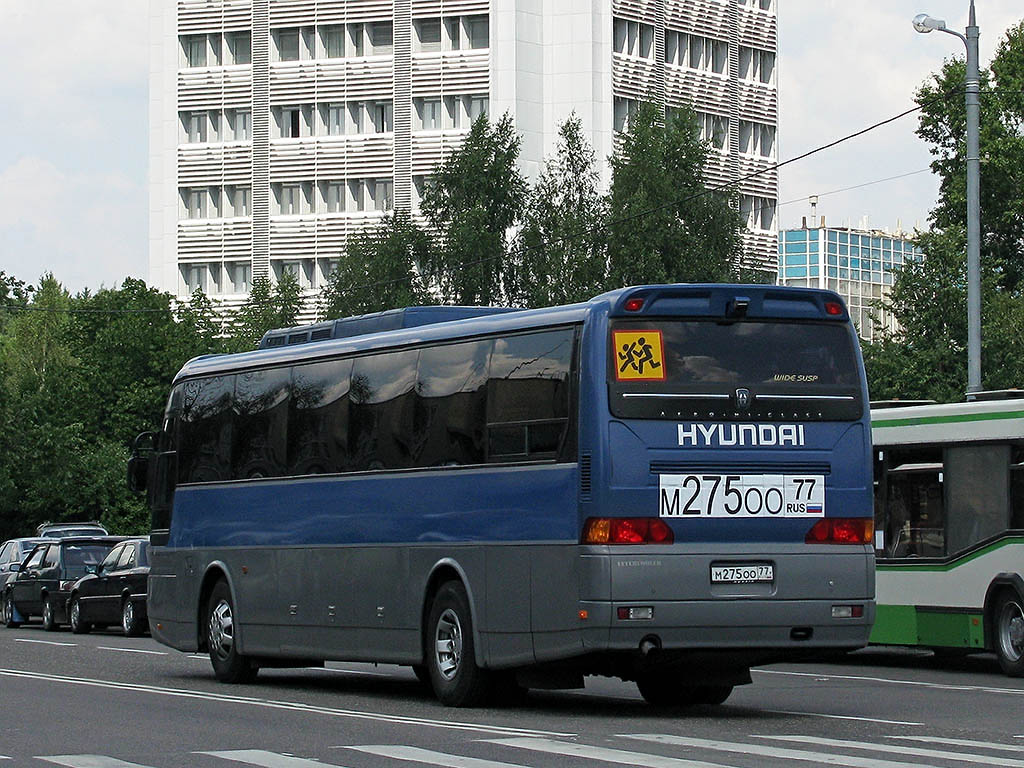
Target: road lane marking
780, 753
267, 759
44, 642
89, 761
901, 749
291, 706
620, 756
130, 650
891, 681
965, 743
838, 717
417, 755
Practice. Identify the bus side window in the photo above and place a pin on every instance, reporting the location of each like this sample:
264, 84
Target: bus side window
1017, 488
381, 403
260, 423
914, 513
204, 448
528, 395
318, 418
978, 493
451, 402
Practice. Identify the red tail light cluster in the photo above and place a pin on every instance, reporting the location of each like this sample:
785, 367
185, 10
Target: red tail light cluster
842, 530
626, 530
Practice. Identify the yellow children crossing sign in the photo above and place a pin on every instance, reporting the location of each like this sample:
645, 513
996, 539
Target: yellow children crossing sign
639, 355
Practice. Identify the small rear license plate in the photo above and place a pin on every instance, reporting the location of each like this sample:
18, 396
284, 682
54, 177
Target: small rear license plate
742, 573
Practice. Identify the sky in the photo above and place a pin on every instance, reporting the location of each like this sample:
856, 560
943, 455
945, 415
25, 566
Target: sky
74, 135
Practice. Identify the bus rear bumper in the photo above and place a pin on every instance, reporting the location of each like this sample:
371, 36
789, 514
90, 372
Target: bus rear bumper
797, 625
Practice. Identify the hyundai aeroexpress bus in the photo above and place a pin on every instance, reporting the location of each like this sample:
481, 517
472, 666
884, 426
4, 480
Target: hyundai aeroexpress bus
666, 484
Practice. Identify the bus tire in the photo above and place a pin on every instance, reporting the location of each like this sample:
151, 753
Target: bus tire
450, 652
229, 665
1008, 621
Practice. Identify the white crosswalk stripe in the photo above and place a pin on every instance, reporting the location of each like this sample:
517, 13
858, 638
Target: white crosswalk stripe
993, 745
417, 755
268, 759
903, 749
620, 756
819, 758
89, 761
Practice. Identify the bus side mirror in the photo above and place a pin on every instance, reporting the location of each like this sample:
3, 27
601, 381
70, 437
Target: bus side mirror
138, 473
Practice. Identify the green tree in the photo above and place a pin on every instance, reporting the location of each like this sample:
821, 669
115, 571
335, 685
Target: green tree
379, 270
474, 199
559, 256
665, 226
269, 306
926, 357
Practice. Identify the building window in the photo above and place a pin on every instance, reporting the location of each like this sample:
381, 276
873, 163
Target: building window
239, 47
676, 47
382, 194
478, 31
333, 40
757, 65
300, 269
428, 114
239, 276
356, 195
381, 114
194, 49
714, 129
242, 128
287, 41
477, 106
453, 112
428, 34
196, 126
381, 41
196, 278
293, 122
289, 199
334, 196
624, 109
356, 45
633, 38
239, 198
201, 202
334, 119
453, 29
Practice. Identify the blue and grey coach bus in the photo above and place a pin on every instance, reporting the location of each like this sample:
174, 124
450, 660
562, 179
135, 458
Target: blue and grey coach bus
666, 484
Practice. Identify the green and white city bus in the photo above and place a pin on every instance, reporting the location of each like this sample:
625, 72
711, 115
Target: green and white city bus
949, 527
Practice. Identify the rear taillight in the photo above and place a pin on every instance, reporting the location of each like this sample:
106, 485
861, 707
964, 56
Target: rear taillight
842, 530
626, 530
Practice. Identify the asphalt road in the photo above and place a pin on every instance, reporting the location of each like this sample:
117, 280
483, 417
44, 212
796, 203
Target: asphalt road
106, 701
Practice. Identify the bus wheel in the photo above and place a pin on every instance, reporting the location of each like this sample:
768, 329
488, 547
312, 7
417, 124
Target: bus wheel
1009, 624
454, 675
229, 665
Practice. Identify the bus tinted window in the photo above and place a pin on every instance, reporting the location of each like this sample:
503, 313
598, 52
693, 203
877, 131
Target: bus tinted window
977, 484
1017, 488
318, 418
381, 410
915, 522
204, 448
790, 369
261, 412
451, 404
528, 394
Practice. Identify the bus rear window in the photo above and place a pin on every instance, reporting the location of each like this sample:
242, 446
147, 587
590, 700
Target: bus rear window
750, 370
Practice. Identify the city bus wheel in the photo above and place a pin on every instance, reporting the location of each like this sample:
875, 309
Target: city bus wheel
450, 654
664, 689
78, 626
229, 665
1009, 624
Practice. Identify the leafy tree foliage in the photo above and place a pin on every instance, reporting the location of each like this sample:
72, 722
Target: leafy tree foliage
665, 226
559, 256
474, 199
269, 306
379, 270
927, 357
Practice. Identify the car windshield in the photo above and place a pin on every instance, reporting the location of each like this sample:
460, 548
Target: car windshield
77, 558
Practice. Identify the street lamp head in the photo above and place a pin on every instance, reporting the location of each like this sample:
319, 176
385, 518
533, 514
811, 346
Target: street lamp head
925, 23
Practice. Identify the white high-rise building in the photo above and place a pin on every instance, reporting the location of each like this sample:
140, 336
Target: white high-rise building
280, 127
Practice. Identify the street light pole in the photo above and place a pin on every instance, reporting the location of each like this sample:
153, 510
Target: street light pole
925, 23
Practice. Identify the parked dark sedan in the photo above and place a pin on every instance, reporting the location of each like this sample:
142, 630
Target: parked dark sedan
12, 555
116, 592
44, 582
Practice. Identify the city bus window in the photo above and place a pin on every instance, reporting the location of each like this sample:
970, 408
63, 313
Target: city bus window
318, 418
1017, 488
914, 519
381, 405
451, 404
261, 413
528, 395
204, 453
978, 483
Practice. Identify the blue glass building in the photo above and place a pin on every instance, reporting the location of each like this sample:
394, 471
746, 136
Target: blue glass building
855, 263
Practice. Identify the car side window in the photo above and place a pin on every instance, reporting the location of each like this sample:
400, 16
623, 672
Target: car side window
110, 561
52, 557
127, 558
5, 554
37, 558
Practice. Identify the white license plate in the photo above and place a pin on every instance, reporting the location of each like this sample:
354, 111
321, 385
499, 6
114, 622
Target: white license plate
741, 496
744, 573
